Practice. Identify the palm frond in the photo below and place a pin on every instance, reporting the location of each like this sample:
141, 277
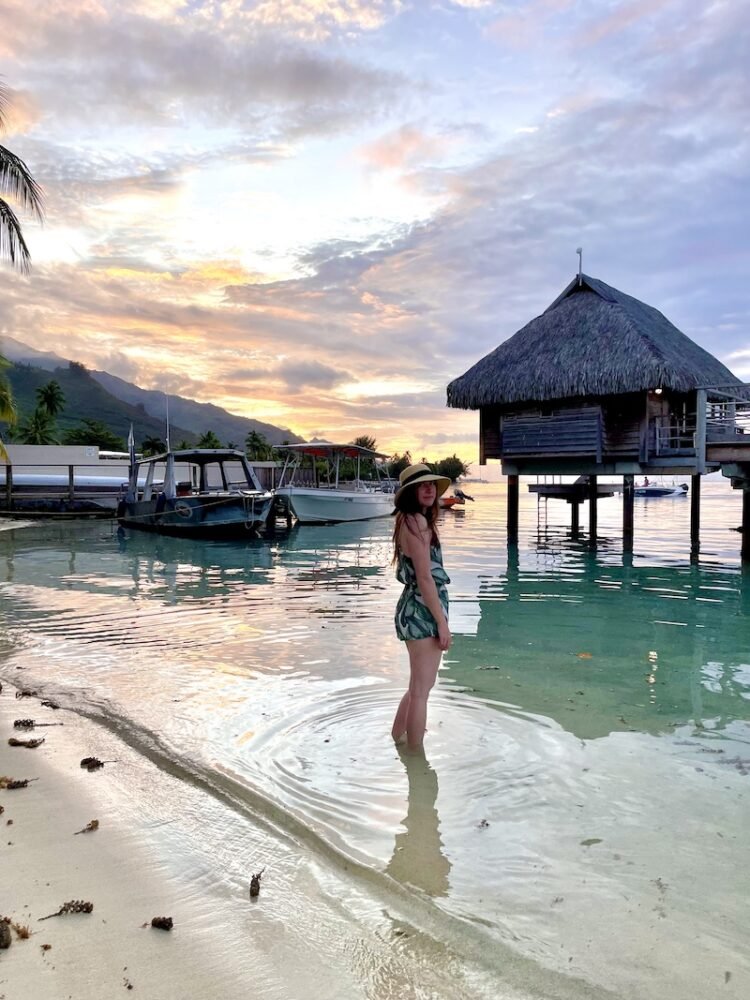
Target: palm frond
12, 244
16, 180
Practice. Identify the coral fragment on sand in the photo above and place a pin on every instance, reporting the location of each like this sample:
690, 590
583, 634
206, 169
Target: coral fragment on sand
89, 828
255, 883
12, 783
31, 723
93, 763
72, 906
162, 923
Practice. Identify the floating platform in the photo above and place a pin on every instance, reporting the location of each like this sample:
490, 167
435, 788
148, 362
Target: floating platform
576, 492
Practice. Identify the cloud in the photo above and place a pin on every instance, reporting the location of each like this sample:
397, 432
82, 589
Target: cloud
640, 153
406, 146
163, 71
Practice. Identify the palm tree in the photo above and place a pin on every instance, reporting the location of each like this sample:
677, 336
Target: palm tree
257, 447
208, 440
7, 405
366, 441
15, 180
50, 398
38, 429
153, 445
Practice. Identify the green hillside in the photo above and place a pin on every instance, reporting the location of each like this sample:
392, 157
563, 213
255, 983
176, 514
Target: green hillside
86, 399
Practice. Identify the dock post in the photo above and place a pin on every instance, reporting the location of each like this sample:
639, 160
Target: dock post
695, 515
575, 519
71, 483
513, 509
628, 496
745, 547
9, 486
593, 495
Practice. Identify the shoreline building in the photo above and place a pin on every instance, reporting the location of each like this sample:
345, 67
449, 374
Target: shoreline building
602, 384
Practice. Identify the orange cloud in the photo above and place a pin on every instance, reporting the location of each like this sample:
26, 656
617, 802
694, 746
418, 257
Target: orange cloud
404, 147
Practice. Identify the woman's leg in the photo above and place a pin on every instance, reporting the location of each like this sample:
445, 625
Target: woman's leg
424, 661
399, 723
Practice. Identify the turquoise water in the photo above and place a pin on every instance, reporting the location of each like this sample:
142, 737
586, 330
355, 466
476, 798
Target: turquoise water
583, 804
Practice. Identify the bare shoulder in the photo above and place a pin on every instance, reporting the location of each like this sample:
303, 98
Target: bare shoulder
414, 534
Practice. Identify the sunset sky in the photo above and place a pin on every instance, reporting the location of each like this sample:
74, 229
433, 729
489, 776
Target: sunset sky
319, 212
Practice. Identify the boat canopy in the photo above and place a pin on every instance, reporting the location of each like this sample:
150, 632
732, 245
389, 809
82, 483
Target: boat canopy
199, 456
325, 449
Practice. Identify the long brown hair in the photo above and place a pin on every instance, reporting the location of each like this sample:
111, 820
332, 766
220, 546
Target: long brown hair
407, 504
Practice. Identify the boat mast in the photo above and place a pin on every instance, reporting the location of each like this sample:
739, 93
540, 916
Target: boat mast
166, 398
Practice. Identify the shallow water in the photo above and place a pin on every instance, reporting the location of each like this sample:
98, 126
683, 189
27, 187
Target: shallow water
584, 800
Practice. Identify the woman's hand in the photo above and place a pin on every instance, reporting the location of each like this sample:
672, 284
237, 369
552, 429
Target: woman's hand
444, 636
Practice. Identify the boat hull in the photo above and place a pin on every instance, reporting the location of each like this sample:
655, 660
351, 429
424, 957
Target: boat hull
660, 491
209, 516
311, 505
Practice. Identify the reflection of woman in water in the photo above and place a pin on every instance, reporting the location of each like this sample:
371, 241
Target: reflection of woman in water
422, 610
418, 858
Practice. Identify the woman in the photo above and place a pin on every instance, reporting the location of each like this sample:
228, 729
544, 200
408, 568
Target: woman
422, 610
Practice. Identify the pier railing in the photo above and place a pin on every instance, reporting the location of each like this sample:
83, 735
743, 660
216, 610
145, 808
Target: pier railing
65, 487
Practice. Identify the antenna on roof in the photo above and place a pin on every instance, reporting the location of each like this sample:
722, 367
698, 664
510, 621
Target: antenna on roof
579, 251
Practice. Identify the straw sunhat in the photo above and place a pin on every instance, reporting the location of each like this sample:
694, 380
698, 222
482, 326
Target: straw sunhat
415, 474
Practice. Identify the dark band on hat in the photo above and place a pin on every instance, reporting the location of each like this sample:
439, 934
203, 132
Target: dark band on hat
419, 475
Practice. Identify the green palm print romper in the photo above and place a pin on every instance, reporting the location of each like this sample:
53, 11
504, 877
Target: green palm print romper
414, 620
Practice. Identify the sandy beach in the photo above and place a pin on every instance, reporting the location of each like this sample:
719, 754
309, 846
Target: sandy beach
117, 867
146, 860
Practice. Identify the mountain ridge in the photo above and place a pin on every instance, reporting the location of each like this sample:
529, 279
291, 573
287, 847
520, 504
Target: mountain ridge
118, 403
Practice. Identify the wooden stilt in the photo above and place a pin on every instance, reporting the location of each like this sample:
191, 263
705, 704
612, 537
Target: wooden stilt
745, 547
593, 496
9, 486
575, 519
512, 510
695, 515
628, 495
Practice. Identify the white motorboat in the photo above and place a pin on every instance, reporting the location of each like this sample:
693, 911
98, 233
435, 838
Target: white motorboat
322, 483
204, 493
661, 490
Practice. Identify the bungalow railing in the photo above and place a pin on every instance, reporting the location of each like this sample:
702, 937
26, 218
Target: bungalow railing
723, 417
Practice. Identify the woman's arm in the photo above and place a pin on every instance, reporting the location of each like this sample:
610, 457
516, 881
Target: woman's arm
414, 541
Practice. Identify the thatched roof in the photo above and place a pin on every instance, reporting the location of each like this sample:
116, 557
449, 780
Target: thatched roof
592, 341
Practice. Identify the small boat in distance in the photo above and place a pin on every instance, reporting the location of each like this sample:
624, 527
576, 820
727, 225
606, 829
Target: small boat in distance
458, 498
208, 493
648, 489
328, 487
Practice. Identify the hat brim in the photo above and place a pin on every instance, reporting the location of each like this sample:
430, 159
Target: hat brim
441, 482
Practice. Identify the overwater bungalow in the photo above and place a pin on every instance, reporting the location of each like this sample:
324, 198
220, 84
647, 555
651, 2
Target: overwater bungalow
602, 383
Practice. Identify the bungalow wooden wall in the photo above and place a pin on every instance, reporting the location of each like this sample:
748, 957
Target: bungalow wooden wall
489, 433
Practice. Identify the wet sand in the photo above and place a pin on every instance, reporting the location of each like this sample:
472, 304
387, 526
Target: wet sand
117, 867
309, 933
